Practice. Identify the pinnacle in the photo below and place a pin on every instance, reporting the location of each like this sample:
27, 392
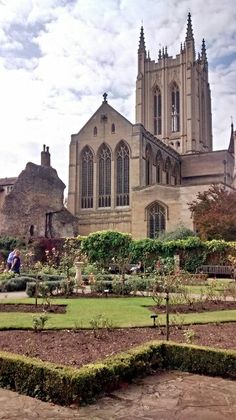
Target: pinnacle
189, 33
142, 41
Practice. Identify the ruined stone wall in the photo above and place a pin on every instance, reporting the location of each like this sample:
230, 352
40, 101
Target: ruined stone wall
37, 192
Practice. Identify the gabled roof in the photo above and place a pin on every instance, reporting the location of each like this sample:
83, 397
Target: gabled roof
104, 107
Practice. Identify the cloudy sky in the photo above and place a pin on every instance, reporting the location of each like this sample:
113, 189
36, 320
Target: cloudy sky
57, 57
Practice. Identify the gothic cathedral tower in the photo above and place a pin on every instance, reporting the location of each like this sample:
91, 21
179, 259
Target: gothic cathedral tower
173, 99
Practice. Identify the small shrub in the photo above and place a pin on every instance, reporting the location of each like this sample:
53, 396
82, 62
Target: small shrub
100, 322
121, 288
44, 288
67, 286
139, 284
39, 322
102, 285
189, 335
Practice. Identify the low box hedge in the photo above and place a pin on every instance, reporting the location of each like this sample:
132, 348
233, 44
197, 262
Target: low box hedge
202, 360
66, 385
44, 288
16, 284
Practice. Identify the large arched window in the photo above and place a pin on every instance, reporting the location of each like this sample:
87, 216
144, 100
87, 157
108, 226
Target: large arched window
157, 111
104, 183
168, 170
87, 178
175, 108
159, 167
148, 165
122, 175
156, 217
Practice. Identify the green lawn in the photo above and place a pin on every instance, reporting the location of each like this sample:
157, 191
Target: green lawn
121, 312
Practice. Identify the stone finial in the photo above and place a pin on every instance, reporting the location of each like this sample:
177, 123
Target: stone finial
189, 33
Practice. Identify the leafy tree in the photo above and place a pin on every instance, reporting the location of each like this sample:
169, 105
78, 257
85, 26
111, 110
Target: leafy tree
106, 247
214, 213
181, 232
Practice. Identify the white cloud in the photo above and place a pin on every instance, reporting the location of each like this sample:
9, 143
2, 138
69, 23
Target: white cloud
57, 57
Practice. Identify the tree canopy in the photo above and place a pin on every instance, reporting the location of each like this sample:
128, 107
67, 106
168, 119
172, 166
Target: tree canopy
106, 247
214, 213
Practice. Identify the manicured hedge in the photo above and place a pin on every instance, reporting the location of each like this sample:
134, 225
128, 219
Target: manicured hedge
66, 385
203, 360
15, 284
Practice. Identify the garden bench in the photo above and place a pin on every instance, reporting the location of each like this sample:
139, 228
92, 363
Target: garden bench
217, 270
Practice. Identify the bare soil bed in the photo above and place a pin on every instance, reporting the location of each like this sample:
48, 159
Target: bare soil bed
79, 347
211, 305
29, 308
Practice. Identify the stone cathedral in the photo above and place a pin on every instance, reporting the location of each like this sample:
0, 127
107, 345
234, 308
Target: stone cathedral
139, 178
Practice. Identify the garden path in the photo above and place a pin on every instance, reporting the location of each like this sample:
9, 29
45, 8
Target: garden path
168, 396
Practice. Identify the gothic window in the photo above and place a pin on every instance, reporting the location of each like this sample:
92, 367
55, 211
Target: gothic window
113, 128
104, 188
148, 165
157, 111
86, 178
168, 170
175, 108
159, 168
122, 175
95, 131
156, 217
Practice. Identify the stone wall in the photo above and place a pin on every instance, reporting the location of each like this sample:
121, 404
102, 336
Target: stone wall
35, 208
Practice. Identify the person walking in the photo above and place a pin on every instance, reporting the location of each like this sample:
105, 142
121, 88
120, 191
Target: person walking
10, 259
15, 267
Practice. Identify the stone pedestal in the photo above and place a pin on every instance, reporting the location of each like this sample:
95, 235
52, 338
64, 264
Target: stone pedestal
78, 275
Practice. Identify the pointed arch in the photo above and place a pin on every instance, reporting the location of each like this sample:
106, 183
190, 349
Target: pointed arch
95, 131
104, 176
86, 164
159, 167
156, 219
113, 128
122, 160
148, 165
157, 111
175, 107
168, 170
